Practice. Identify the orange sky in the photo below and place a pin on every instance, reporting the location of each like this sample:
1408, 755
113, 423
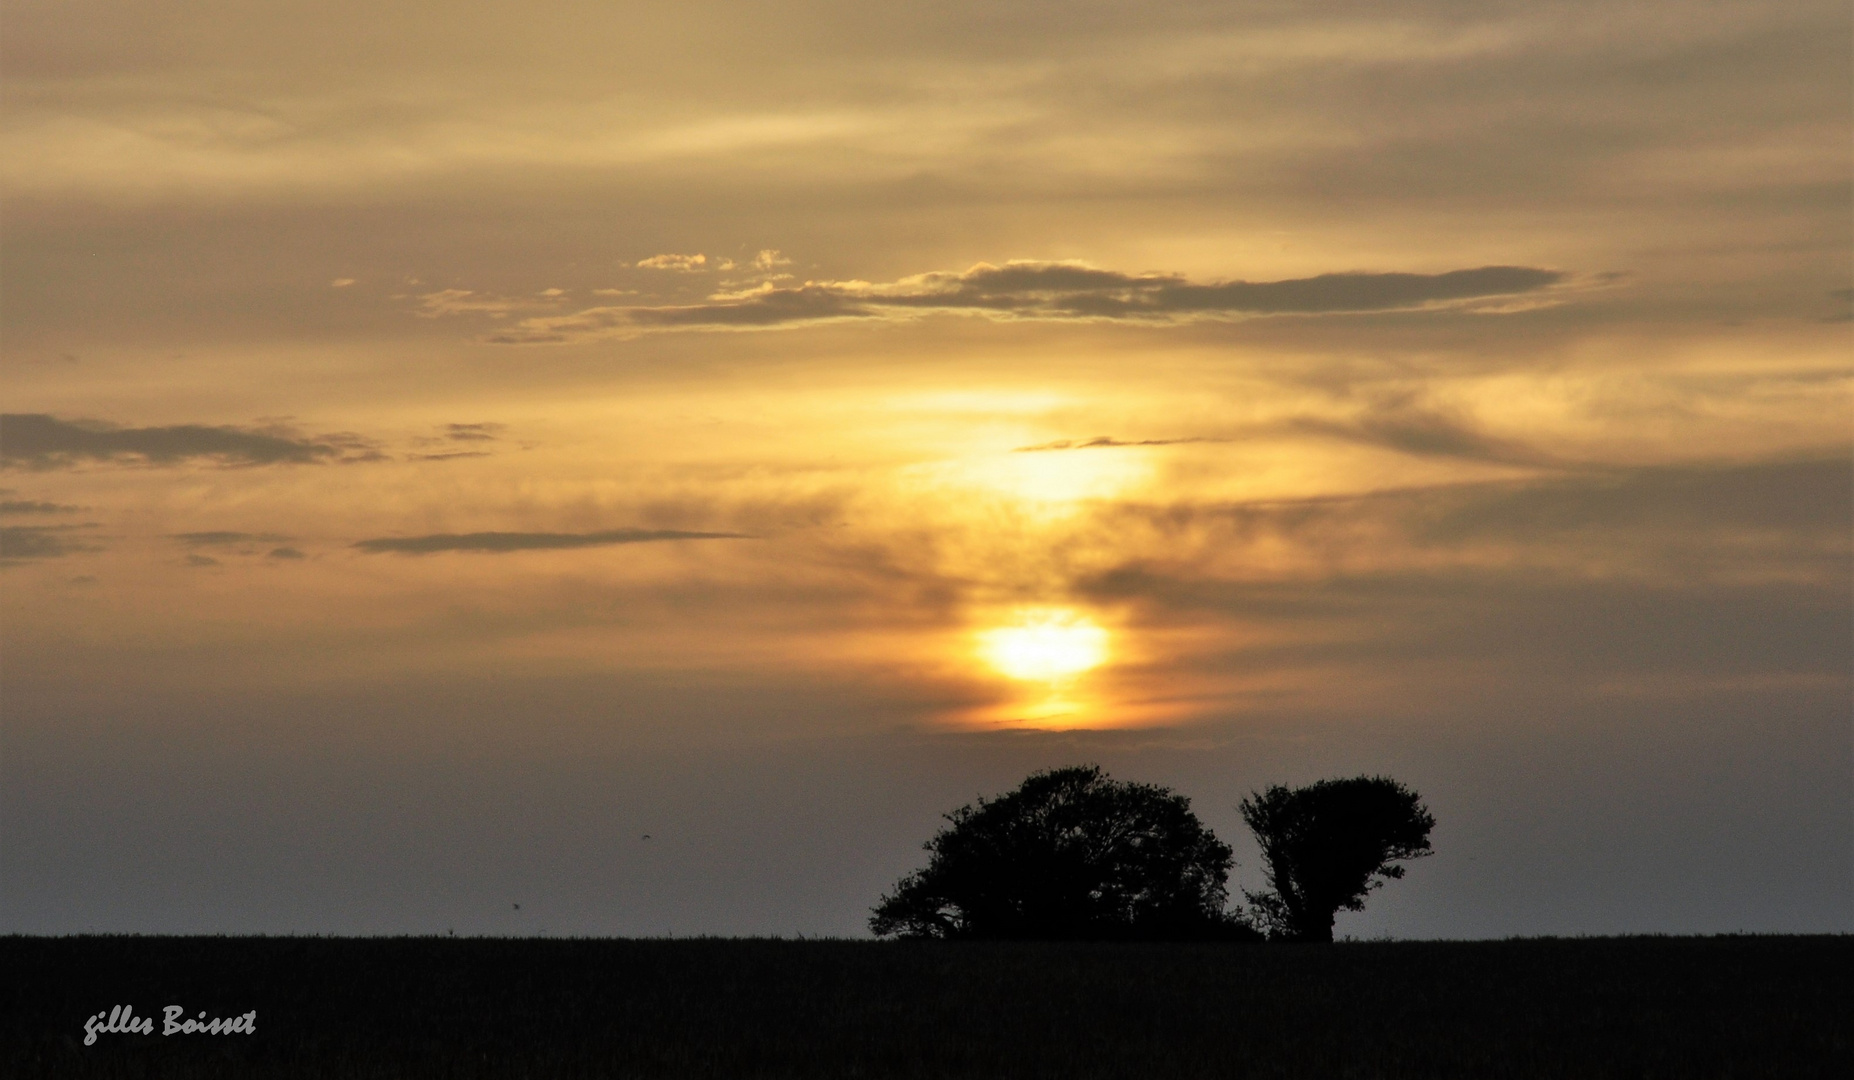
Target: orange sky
916, 396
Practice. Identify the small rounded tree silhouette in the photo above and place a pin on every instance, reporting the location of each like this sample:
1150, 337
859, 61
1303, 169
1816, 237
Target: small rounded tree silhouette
1329, 844
1070, 854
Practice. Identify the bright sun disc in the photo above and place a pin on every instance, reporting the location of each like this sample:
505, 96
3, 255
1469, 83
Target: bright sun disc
1044, 645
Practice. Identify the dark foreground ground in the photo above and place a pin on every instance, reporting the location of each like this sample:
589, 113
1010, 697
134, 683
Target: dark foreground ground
437, 1007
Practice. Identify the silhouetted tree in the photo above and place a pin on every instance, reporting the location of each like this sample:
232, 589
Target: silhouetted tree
1069, 854
1329, 844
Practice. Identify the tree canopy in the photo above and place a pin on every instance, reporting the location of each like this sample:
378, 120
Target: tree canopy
1329, 844
1069, 854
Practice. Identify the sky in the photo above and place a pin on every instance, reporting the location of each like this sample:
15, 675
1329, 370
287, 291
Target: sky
645, 462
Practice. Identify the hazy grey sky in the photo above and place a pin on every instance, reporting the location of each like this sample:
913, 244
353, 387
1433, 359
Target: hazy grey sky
446, 443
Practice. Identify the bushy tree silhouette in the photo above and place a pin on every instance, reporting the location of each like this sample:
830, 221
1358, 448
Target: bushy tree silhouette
1328, 845
1069, 854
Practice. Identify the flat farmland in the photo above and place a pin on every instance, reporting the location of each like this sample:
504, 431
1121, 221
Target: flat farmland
1752, 1006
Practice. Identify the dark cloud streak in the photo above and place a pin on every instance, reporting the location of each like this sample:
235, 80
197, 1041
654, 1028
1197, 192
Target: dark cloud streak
42, 541
40, 441
500, 542
1421, 432
1047, 291
25, 506
1105, 442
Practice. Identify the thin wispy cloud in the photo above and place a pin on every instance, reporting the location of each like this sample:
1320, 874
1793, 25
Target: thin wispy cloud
1106, 442
1676, 527
1051, 291
218, 537
1419, 431
1395, 423
449, 302
502, 542
685, 263
763, 262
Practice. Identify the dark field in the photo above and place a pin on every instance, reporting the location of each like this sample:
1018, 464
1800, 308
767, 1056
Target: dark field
418, 1007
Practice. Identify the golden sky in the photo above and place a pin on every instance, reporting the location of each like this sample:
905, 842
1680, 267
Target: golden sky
913, 395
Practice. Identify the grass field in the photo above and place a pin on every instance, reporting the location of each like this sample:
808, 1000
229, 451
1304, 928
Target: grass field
441, 1007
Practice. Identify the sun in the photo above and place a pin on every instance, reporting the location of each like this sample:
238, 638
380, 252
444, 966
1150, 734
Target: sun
1044, 644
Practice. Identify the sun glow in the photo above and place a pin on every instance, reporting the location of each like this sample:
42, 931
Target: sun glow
1057, 477
1044, 644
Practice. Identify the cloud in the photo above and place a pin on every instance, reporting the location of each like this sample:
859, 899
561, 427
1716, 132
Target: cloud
1714, 570
459, 433
1561, 631
1394, 423
1401, 424
26, 506
685, 263
1104, 441
1719, 512
341, 283
446, 302
39, 441
202, 539
1784, 520
498, 542
42, 541
1051, 291
246, 544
